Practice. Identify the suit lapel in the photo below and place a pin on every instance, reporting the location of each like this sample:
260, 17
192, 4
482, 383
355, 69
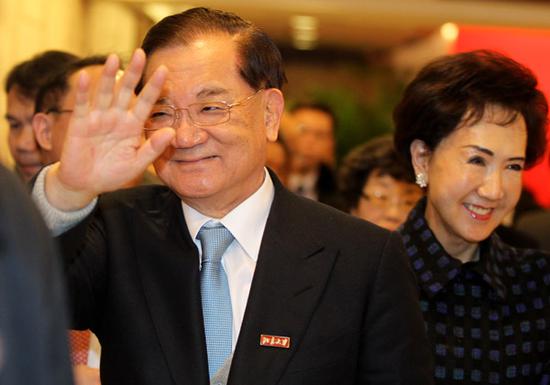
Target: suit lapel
169, 269
291, 273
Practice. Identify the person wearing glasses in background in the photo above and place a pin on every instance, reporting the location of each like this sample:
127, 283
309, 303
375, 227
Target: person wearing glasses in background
469, 125
221, 276
22, 84
55, 102
376, 185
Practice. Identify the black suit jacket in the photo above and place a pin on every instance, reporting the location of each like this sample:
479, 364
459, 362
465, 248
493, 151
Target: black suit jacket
339, 287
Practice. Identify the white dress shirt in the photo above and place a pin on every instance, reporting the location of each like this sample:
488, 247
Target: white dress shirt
239, 260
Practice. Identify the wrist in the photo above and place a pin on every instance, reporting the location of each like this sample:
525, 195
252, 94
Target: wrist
63, 197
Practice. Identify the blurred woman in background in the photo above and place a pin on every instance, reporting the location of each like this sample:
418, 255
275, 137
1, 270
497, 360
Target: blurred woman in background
376, 185
469, 124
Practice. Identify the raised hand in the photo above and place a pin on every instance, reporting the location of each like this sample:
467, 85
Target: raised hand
104, 147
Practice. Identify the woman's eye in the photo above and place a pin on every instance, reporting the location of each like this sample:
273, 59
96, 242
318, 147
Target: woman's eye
477, 160
515, 167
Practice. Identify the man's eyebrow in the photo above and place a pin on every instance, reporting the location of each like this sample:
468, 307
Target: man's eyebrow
212, 91
202, 94
11, 118
163, 101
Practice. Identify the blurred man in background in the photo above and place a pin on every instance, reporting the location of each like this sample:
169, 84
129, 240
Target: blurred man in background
54, 107
309, 132
22, 85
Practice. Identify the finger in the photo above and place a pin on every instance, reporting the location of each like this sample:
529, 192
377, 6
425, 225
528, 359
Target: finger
130, 79
154, 146
81, 107
104, 93
149, 94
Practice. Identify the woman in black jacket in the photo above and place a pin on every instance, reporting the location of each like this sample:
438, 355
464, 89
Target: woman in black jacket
469, 124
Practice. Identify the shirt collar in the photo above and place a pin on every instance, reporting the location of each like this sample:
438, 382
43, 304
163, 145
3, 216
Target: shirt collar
252, 213
435, 268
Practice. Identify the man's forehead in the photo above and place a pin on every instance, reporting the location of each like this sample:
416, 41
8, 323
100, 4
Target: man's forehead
19, 107
93, 71
210, 48
15, 95
201, 77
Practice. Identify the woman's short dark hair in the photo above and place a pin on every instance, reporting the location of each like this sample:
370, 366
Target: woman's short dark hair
459, 88
261, 62
377, 154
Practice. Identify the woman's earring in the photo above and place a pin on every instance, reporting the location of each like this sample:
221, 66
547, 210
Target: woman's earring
421, 180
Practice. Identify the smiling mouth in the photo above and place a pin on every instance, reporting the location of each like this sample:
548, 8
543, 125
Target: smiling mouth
195, 160
478, 212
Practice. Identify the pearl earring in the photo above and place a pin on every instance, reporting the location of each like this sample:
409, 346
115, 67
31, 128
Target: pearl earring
421, 180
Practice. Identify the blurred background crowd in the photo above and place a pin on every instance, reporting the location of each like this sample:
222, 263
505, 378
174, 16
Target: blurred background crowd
347, 63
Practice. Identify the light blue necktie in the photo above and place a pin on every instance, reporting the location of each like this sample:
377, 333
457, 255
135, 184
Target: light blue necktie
216, 300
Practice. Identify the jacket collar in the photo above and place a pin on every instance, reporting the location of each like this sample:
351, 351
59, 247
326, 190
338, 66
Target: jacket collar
436, 269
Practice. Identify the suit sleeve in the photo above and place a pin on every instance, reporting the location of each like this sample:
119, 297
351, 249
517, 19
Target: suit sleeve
83, 249
395, 346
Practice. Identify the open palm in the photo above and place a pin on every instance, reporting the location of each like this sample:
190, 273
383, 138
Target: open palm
104, 147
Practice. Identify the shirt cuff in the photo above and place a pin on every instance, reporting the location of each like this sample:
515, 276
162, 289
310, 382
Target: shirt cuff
57, 221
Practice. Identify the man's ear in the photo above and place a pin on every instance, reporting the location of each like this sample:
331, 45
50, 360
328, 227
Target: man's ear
420, 157
42, 127
274, 106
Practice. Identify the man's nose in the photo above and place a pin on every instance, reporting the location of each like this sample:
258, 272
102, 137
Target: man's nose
188, 134
25, 140
395, 211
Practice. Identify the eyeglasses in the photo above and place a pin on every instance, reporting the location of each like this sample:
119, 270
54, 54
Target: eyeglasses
382, 200
55, 110
200, 114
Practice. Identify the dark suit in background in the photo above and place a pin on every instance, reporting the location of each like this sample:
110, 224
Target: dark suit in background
327, 188
33, 338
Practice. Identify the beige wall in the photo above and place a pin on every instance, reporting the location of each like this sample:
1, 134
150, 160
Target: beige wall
111, 28
83, 27
31, 26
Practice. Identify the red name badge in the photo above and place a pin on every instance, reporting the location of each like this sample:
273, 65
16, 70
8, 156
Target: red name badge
274, 341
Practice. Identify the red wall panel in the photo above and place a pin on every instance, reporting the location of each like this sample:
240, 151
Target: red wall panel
530, 47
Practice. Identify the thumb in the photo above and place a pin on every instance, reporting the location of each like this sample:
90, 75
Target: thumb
154, 146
